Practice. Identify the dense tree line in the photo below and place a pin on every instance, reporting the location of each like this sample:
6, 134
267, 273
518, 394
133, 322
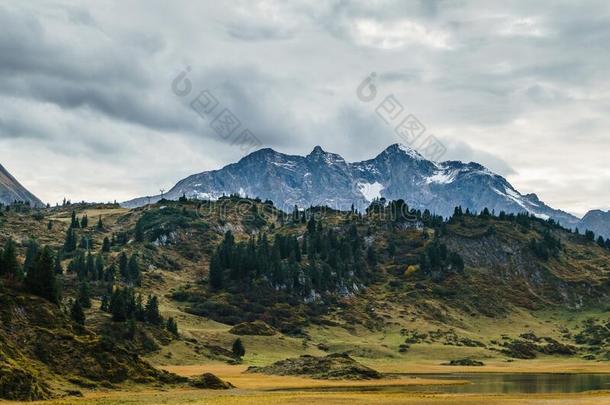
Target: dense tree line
437, 261
549, 246
399, 212
37, 273
322, 260
125, 305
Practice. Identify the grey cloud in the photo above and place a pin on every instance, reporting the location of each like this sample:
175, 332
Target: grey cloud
97, 82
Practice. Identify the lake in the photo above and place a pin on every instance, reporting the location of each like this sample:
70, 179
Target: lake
495, 383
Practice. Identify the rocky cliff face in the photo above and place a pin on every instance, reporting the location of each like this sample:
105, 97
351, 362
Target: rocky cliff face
11, 190
324, 178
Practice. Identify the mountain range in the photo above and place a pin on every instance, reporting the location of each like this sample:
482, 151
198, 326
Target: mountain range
398, 172
11, 190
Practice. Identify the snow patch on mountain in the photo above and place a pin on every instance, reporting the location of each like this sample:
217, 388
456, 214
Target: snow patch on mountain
370, 191
443, 177
409, 151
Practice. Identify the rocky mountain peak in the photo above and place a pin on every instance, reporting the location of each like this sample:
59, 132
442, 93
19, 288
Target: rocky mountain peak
398, 172
11, 190
320, 155
401, 149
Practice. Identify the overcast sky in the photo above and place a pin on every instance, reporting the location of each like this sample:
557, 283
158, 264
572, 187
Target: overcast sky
87, 109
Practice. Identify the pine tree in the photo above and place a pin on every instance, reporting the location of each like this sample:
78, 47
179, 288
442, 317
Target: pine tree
84, 295
91, 273
120, 305
152, 311
311, 225
99, 267
216, 273
371, 256
77, 314
85, 243
58, 269
106, 245
600, 241
74, 222
40, 279
50, 225
123, 265
100, 224
172, 326
140, 311
133, 270
130, 334
84, 222
10, 265
70, 242
139, 231
31, 255
295, 214
238, 348
110, 274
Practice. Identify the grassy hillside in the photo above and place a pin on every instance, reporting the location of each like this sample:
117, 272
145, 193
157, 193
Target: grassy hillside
399, 292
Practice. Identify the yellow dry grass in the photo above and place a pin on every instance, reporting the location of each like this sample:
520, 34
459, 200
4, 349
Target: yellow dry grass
236, 375
238, 397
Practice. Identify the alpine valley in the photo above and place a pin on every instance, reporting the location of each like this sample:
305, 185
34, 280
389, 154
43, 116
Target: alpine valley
388, 277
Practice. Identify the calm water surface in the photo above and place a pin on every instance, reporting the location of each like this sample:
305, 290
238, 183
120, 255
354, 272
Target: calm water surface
497, 383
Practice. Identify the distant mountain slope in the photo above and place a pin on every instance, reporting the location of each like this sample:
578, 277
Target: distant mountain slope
11, 190
323, 178
597, 221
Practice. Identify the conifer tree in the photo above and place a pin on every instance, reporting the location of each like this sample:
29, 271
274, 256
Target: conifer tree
59, 270
84, 222
152, 311
139, 231
295, 214
133, 270
91, 271
100, 224
99, 267
600, 241
119, 305
123, 265
311, 225
30, 256
110, 274
371, 255
74, 222
84, 295
85, 243
172, 326
70, 242
139, 310
216, 273
106, 245
238, 348
77, 314
10, 265
40, 279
